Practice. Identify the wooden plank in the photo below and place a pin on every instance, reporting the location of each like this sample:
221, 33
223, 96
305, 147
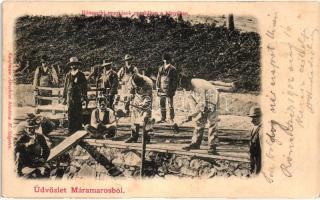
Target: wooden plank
50, 88
61, 89
66, 144
57, 107
232, 148
48, 98
169, 148
185, 135
56, 97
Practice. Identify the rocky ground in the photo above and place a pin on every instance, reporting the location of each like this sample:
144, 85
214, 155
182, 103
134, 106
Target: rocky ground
102, 162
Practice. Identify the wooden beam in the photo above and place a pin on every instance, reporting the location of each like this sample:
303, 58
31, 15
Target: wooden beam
171, 148
66, 144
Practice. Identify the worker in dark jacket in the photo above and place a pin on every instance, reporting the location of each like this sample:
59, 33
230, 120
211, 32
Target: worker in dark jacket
255, 148
103, 121
74, 94
109, 82
167, 83
44, 76
31, 152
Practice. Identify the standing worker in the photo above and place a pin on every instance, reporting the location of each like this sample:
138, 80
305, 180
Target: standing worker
141, 90
109, 81
44, 76
124, 75
205, 98
74, 94
255, 148
167, 83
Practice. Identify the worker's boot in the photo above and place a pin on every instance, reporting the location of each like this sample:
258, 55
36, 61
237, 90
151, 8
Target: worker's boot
163, 117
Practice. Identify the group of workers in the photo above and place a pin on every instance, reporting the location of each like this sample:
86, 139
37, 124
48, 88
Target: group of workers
137, 97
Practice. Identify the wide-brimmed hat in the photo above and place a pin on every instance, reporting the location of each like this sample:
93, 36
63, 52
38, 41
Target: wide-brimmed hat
74, 60
127, 57
106, 63
255, 111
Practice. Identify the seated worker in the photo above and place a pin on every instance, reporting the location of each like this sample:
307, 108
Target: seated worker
206, 99
46, 126
31, 152
141, 106
103, 121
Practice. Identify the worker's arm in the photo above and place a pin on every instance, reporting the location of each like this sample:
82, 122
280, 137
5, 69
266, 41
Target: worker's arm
66, 83
191, 116
132, 90
135, 70
93, 121
84, 87
120, 73
198, 109
55, 79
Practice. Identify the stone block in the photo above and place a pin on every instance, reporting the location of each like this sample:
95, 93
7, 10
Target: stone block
132, 159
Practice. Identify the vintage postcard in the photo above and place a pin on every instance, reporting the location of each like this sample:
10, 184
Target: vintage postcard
160, 99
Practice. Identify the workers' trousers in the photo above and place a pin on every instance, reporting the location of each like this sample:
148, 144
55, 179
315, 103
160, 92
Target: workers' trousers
212, 121
163, 107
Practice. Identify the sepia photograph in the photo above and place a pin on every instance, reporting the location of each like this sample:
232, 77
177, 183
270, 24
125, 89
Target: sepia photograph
160, 99
140, 95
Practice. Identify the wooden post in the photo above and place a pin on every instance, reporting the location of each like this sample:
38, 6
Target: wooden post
231, 22
143, 153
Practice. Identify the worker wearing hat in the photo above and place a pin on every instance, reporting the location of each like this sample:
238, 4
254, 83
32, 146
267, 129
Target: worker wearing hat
109, 81
74, 93
103, 122
167, 83
45, 126
124, 75
141, 106
205, 102
31, 151
44, 76
255, 148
